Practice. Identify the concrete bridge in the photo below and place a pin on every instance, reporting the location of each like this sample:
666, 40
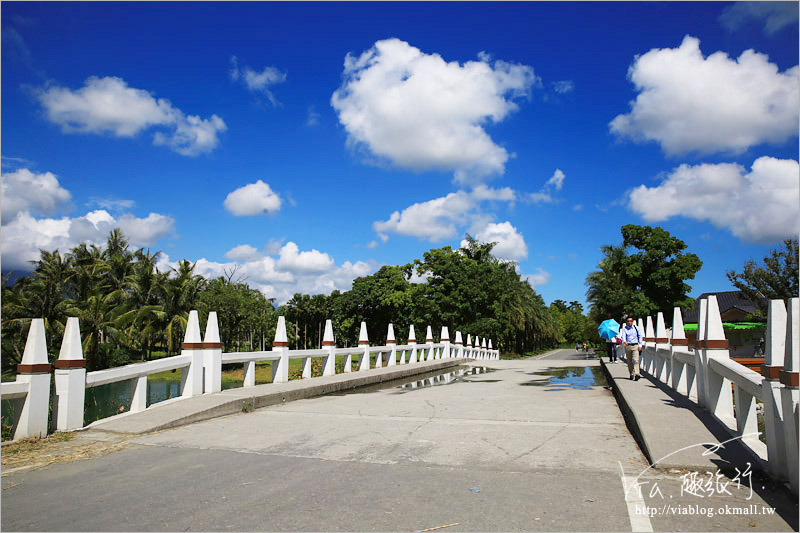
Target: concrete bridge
563, 442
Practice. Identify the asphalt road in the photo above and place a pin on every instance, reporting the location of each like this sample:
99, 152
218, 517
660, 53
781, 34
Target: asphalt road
506, 450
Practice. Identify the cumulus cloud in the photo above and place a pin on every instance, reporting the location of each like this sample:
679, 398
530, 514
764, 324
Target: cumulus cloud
309, 272
291, 258
690, 103
253, 199
25, 235
443, 217
510, 243
419, 112
23, 190
541, 277
775, 15
109, 106
257, 81
757, 206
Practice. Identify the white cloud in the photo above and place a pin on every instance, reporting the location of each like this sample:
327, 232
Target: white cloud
510, 243
545, 194
690, 103
776, 15
540, 278
421, 113
281, 279
756, 206
443, 217
23, 190
291, 258
257, 81
108, 106
564, 86
25, 235
253, 199
243, 252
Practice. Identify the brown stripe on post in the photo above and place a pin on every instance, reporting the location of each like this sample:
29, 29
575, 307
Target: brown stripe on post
362, 343
412, 340
790, 379
391, 342
715, 344
200, 345
772, 373
445, 340
680, 342
328, 343
41, 368
649, 339
279, 344
70, 363
459, 343
662, 340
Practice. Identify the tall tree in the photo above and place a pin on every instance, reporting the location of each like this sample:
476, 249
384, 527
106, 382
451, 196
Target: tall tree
776, 279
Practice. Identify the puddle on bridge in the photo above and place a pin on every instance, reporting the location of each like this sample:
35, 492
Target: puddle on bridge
570, 377
430, 379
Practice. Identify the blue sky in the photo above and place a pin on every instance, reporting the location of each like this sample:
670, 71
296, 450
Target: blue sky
308, 144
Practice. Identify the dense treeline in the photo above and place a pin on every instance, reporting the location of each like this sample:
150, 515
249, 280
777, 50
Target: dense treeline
129, 310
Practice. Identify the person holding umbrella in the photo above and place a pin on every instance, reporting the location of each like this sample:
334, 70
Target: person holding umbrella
609, 330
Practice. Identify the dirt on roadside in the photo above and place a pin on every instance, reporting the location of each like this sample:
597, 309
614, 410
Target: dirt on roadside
60, 447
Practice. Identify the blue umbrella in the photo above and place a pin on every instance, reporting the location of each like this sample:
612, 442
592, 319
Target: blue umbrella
608, 329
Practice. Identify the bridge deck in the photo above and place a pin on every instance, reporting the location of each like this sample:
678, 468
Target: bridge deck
500, 451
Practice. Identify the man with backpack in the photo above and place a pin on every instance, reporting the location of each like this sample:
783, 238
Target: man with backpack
632, 340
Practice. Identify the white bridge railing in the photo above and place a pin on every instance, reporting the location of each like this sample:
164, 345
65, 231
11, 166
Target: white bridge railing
200, 363
729, 390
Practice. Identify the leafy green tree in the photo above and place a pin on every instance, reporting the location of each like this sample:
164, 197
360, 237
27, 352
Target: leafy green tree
649, 279
776, 279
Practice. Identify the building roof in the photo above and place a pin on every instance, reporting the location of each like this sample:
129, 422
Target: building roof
726, 300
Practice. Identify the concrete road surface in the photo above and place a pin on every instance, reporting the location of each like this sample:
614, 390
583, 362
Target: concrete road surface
506, 450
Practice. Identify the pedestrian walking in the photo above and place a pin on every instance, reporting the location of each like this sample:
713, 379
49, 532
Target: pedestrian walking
632, 341
611, 349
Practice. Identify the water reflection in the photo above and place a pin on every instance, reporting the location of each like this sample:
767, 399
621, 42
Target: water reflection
570, 377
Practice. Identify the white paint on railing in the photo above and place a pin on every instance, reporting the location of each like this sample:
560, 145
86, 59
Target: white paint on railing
135, 370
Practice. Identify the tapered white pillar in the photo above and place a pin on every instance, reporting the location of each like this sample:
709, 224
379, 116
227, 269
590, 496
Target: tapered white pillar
34, 369
192, 376
681, 374
445, 339
790, 393
328, 343
412, 341
429, 344
774, 353
212, 355
720, 396
392, 343
363, 342
70, 380
280, 366
459, 347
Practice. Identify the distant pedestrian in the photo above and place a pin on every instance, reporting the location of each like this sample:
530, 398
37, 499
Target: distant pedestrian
611, 349
577, 347
632, 341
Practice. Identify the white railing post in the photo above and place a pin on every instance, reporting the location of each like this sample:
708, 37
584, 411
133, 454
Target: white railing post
444, 338
662, 346
700, 355
647, 359
391, 342
429, 344
192, 376
774, 350
720, 397
70, 380
363, 341
484, 353
459, 348
790, 393
329, 362
212, 356
34, 369
280, 367
681, 374
491, 351
412, 341
468, 346
139, 394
